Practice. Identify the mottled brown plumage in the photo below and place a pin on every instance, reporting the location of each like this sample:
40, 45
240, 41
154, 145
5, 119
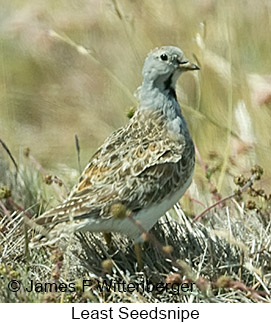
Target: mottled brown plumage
142, 169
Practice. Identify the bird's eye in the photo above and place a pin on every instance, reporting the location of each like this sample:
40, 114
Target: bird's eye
164, 57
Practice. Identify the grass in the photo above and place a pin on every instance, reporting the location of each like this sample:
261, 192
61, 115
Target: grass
71, 70
227, 255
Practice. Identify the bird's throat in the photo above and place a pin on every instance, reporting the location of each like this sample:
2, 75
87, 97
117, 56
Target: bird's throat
159, 95
169, 87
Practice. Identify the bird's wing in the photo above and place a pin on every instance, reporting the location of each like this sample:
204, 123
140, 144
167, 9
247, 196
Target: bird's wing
135, 166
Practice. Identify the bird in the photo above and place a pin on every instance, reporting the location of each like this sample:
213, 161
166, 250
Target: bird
142, 169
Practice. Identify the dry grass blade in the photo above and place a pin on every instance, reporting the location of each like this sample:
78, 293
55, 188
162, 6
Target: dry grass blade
9, 154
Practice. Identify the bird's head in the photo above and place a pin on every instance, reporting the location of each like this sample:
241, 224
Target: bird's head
164, 65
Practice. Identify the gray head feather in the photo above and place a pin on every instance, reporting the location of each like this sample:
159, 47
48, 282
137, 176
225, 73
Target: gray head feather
161, 70
161, 63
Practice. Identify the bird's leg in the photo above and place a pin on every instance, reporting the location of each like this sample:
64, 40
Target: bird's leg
138, 252
107, 237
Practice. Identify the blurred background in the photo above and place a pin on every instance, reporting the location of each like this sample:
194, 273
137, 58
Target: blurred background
71, 68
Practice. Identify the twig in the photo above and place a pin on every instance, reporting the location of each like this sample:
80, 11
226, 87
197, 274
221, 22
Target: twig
5, 210
246, 186
191, 275
42, 170
19, 207
201, 162
9, 153
202, 283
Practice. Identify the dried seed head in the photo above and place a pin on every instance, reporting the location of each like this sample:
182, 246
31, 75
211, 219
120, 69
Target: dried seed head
55, 274
5, 192
252, 192
58, 181
48, 179
213, 190
240, 180
118, 211
107, 265
250, 205
168, 249
174, 279
26, 152
258, 170
56, 256
223, 281
260, 191
213, 154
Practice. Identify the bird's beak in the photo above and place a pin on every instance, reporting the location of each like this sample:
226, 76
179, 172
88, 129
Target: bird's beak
187, 66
